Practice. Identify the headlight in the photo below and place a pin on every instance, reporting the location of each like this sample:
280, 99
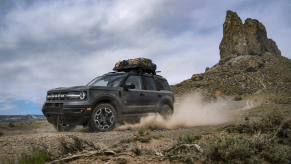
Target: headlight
74, 94
82, 95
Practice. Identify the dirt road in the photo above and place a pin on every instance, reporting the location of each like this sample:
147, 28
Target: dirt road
189, 117
21, 139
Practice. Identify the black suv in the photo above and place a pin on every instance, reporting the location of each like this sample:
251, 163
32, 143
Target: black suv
109, 99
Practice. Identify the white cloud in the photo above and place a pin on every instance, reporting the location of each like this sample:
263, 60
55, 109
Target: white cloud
8, 107
51, 44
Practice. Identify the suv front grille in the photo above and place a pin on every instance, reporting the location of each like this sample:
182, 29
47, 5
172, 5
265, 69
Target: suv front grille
59, 96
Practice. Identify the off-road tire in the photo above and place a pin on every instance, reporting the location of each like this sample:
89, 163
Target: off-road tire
103, 118
67, 128
166, 112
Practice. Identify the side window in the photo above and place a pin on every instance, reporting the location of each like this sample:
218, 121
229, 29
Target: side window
165, 84
159, 85
136, 80
150, 84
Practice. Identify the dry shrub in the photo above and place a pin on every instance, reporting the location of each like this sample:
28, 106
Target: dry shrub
187, 139
11, 125
34, 155
270, 122
247, 149
77, 144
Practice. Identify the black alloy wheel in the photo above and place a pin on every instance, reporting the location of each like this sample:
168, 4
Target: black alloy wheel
166, 112
103, 118
65, 128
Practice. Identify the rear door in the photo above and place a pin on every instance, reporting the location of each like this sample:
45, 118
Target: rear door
152, 97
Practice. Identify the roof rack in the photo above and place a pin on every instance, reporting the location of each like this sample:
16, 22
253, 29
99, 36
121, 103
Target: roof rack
138, 70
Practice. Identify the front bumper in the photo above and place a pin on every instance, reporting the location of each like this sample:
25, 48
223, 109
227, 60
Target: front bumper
67, 115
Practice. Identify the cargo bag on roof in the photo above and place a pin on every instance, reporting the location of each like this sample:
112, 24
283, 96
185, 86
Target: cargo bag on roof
143, 64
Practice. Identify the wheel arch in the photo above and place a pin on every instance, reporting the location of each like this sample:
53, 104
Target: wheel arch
108, 99
168, 102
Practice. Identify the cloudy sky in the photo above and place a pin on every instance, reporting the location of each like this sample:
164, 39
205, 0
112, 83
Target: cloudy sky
46, 44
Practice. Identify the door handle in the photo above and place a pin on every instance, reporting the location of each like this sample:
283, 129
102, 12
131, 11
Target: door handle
159, 95
142, 94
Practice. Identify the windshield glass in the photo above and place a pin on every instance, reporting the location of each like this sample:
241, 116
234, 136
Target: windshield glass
107, 80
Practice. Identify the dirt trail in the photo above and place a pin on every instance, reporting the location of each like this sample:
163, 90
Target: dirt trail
49, 138
191, 116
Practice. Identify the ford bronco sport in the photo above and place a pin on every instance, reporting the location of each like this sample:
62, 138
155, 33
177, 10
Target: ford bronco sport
109, 99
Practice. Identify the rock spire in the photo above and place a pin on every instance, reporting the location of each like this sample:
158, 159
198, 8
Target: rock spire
249, 38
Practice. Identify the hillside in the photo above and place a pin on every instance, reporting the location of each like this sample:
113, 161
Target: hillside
250, 64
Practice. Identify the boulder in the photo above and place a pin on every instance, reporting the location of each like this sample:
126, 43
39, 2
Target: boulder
206, 69
197, 77
253, 65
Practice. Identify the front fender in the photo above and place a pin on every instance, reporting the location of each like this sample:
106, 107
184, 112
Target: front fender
109, 99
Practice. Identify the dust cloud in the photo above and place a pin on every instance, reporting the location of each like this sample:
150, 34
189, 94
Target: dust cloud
191, 111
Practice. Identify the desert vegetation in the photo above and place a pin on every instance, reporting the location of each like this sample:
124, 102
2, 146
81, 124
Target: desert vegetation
251, 142
31, 124
265, 139
35, 155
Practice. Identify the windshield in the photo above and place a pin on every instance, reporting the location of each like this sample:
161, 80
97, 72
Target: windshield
107, 80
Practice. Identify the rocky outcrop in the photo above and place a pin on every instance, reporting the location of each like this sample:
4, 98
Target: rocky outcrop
250, 64
249, 38
197, 77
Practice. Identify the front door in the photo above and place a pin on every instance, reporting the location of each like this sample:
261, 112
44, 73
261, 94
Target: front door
132, 98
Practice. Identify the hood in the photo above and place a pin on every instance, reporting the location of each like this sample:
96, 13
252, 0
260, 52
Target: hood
74, 88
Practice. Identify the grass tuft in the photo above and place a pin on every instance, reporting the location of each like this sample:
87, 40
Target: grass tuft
188, 138
140, 132
114, 146
11, 125
159, 136
34, 156
126, 140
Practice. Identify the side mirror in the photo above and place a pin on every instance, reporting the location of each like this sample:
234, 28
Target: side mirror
129, 86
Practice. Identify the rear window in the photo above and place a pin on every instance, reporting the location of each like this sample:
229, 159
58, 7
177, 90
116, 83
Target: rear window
165, 84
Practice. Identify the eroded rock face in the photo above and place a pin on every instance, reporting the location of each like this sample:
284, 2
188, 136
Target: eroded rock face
249, 38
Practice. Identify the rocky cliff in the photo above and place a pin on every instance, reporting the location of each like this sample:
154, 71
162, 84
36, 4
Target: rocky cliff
250, 64
249, 38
